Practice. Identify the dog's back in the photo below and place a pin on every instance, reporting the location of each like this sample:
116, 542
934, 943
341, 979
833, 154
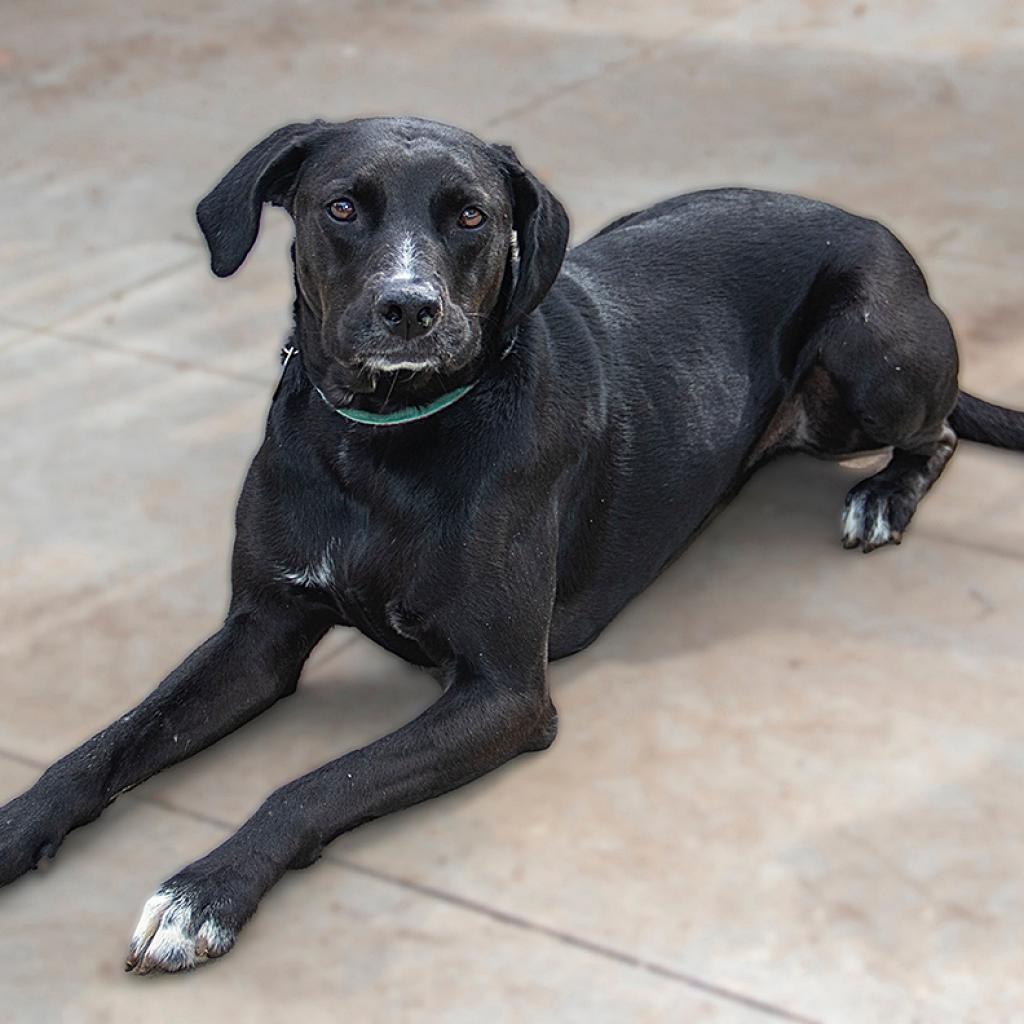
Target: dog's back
687, 322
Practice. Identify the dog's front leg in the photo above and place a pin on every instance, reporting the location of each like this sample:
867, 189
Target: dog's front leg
253, 660
482, 719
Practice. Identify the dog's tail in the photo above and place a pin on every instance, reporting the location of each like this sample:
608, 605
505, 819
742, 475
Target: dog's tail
976, 420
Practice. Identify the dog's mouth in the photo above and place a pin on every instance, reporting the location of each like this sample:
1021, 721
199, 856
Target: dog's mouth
383, 377
382, 383
395, 377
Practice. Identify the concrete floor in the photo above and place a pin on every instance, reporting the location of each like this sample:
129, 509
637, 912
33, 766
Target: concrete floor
788, 780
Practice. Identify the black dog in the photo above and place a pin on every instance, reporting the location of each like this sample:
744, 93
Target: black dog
479, 480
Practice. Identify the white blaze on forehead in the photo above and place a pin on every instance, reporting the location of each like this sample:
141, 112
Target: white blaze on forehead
405, 265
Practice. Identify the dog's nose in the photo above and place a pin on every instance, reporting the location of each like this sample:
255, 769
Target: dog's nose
410, 310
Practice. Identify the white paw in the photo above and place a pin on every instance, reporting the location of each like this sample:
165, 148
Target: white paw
171, 936
867, 522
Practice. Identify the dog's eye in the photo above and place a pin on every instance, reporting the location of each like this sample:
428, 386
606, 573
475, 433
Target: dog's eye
471, 217
342, 209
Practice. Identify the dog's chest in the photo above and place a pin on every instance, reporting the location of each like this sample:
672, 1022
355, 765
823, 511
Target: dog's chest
373, 570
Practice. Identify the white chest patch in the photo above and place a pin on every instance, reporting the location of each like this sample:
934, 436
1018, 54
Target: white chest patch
318, 574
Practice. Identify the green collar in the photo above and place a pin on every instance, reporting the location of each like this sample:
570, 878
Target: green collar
409, 414
406, 415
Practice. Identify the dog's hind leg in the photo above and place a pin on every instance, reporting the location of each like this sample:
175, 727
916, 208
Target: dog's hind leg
879, 508
252, 661
888, 359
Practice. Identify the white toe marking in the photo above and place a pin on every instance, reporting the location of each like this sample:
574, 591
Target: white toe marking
855, 526
217, 940
149, 920
853, 518
880, 532
173, 945
166, 938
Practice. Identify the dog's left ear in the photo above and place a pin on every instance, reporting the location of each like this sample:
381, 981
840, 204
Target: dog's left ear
542, 232
229, 216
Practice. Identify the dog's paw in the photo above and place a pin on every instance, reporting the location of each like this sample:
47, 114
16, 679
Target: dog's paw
876, 515
178, 930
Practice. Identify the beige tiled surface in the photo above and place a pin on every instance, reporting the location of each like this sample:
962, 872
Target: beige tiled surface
12, 334
351, 946
787, 777
739, 114
190, 317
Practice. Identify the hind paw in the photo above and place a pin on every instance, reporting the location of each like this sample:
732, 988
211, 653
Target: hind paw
875, 516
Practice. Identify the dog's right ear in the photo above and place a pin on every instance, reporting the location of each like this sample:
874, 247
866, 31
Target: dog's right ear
229, 216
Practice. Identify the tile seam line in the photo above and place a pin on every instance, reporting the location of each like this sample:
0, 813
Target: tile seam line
513, 113
642, 49
939, 254
577, 942
953, 540
69, 336
166, 271
503, 917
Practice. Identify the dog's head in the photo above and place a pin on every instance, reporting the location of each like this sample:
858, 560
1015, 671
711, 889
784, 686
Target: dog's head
405, 232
